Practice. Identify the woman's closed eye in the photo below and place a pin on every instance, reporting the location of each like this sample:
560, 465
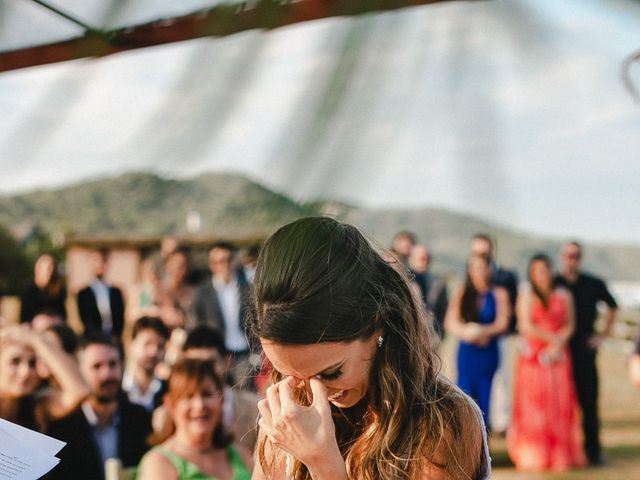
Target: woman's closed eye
328, 377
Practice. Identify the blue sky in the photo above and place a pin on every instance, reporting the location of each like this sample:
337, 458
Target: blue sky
512, 110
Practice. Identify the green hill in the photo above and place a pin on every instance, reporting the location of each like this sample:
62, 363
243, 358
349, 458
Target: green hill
147, 204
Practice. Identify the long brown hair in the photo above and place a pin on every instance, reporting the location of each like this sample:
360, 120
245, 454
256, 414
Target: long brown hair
469, 301
540, 295
55, 285
319, 280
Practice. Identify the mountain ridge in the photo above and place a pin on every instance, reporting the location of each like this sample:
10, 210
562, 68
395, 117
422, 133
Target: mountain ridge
149, 204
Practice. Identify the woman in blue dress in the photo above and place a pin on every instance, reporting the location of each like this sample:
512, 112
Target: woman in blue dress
478, 314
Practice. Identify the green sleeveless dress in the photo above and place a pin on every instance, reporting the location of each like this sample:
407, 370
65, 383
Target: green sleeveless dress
188, 471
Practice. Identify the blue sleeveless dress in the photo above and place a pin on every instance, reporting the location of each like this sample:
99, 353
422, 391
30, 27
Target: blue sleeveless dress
477, 365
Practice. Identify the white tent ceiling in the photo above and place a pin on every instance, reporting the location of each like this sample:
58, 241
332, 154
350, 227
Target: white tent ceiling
514, 110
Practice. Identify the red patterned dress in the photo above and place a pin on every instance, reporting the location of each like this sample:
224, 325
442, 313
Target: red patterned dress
545, 432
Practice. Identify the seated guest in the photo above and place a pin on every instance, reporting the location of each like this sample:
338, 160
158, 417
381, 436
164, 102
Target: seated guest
240, 409
199, 447
101, 305
144, 353
107, 425
20, 346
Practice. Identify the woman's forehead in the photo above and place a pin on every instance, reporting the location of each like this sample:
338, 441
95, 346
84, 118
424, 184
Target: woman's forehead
16, 349
303, 361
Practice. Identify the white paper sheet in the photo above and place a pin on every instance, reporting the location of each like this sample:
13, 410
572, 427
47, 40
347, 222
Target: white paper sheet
25, 454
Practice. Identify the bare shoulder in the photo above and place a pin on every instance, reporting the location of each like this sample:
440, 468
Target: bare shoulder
156, 466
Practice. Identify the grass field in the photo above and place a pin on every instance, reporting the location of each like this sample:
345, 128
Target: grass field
620, 413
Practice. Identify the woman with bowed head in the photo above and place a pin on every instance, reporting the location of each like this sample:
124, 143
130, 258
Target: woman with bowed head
198, 448
357, 391
544, 433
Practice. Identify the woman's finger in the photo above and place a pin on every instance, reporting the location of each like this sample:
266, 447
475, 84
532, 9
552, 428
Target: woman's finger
287, 388
273, 398
265, 413
319, 391
263, 426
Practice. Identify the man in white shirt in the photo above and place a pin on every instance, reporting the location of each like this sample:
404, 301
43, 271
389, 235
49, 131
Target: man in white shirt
108, 425
222, 302
144, 352
101, 305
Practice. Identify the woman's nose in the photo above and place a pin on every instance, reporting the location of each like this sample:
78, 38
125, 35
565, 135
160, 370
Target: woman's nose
197, 401
24, 370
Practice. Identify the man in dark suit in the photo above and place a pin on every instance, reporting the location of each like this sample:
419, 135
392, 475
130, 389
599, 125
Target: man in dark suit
107, 425
432, 287
101, 305
222, 303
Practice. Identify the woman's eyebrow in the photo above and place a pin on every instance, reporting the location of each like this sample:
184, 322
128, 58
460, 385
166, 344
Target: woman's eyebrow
331, 367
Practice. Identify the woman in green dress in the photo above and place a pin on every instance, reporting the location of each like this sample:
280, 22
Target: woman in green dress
199, 448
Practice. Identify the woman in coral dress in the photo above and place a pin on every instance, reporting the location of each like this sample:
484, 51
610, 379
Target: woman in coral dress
545, 433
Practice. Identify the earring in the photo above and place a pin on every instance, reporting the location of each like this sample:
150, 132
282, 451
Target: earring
380, 341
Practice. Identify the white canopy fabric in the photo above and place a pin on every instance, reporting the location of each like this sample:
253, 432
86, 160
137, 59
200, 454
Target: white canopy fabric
513, 110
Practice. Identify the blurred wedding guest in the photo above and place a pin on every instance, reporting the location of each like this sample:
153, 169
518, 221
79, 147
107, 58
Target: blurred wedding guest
402, 244
144, 352
392, 260
168, 245
634, 365
588, 292
478, 315
545, 430
46, 291
432, 288
501, 394
175, 287
222, 302
107, 425
199, 447
249, 261
240, 407
20, 346
143, 298
100, 304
